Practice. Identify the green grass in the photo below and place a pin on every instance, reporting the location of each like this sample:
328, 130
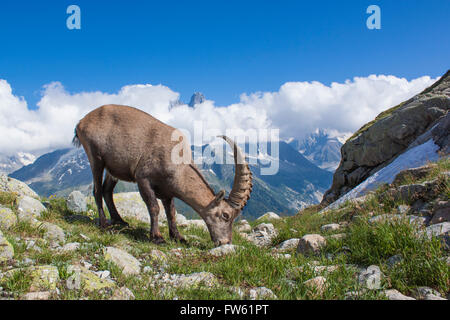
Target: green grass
423, 261
8, 199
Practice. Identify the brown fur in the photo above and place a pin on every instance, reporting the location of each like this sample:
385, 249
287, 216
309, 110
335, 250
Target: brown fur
134, 146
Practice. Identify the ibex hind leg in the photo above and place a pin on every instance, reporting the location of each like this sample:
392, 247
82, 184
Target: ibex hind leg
97, 168
108, 187
171, 220
149, 197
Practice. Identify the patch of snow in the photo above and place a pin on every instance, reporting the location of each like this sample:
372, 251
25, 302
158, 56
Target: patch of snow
412, 158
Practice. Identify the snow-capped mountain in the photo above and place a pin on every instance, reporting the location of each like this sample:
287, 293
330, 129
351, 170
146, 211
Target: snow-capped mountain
298, 182
322, 147
12, 163
196, 98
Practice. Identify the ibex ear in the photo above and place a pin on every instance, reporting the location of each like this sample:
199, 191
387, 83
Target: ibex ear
219, 196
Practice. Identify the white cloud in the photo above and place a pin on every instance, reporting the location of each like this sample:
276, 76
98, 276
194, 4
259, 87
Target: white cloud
297, 108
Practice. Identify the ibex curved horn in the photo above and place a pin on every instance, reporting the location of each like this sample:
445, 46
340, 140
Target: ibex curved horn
242, 186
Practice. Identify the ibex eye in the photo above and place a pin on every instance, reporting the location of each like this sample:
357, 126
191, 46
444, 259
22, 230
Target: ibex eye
225, 216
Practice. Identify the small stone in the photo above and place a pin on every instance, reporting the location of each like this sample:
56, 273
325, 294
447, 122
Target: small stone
29, 208
397, 217
84, 237
76, 202
85, 279
354, 295
311, 243
69, 247
281, 256
262, 235
393, 294
337, 236
441, 212
421, 292
243, 226
53, 232
330, 227
433, 297
42, 295
370, 278
261, 293
7, 218
6, 249
223, 250
238, 291
288, 244
125, 261
317, 284
438, 229
123, 293
269, 216
147, 269
394, 260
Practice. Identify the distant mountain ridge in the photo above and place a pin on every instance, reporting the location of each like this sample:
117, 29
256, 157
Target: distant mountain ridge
321, 148
297, 184
12, 163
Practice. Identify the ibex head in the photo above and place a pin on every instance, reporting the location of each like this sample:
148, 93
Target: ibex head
221, 212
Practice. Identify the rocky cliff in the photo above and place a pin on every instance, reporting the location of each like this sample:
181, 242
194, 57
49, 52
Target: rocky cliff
390, 134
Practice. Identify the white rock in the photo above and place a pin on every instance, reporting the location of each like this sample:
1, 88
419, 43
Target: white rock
370, 278
330, 227
53, 232
223, 250
73, 246
261, 293
125, 261
76, 202
269, 216
311, 243
7, 218
288, 244
317, 284
123, 293
262, 235
20, 188
197, 223
393, 294
243, 226
6, 249
438, 229
433, 297
42, 295
29, 208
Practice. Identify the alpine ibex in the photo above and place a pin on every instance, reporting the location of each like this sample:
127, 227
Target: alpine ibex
134, 146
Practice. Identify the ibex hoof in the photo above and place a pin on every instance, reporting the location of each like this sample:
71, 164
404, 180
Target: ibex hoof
179, 239
158, 240
120, 223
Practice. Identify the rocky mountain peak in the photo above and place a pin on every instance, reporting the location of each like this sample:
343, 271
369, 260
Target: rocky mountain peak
197, 98
393, 132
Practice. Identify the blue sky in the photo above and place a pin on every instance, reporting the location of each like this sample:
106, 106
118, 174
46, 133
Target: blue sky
221, 48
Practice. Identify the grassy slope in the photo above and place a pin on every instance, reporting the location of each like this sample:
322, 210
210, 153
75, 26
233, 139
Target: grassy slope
423, 265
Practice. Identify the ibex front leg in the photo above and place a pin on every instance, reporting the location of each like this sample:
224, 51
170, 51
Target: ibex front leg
171, 220
148, 195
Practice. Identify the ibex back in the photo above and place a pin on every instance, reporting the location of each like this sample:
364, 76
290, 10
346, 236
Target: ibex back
134, 146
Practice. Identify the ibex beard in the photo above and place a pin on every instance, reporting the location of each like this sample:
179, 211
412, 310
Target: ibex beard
133, 146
